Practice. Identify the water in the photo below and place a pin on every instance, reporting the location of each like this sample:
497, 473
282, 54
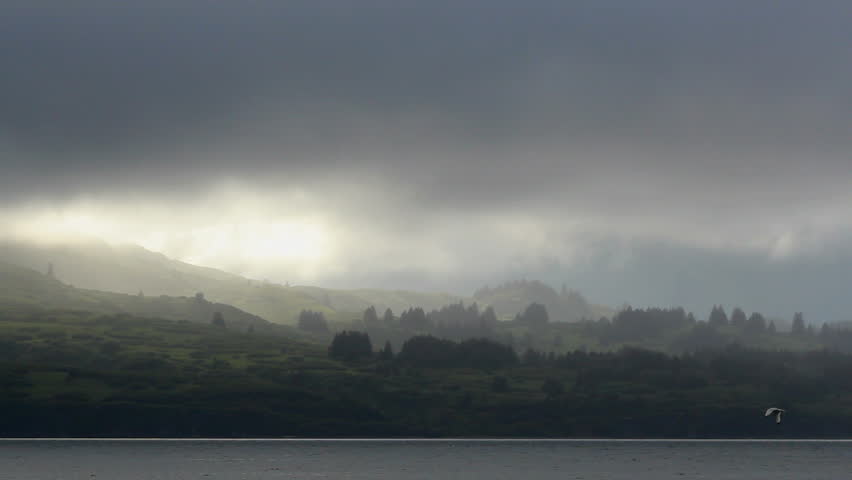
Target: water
422, 459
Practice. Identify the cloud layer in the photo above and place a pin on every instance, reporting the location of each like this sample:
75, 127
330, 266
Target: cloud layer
429, 144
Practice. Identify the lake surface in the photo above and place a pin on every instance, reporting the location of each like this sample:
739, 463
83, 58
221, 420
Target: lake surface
422, 459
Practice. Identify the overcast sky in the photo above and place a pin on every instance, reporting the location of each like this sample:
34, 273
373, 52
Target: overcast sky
441, 145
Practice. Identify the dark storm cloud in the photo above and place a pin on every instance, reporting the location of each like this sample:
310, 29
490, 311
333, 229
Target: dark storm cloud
713, 124
414, 87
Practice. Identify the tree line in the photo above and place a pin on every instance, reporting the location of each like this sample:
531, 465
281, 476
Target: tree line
426, 351
669, 329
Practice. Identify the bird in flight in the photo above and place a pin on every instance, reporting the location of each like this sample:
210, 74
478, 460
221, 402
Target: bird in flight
774, 411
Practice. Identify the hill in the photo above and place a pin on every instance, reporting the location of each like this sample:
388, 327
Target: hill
513, 297
130, 269
359, 299
25, 290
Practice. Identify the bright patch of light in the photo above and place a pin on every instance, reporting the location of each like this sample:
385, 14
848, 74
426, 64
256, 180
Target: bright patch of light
283, 241
244, 234
64, 226
257, 241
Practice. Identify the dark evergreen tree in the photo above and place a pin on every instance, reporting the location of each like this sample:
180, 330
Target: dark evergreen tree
636, 324
350, 346
428, 351
535, 315
370, 317
718, 318
386, 354
488, 319
388, 319
415, 320
798, 324
311, 321
485, 354
218, 320
756, 324
738, 318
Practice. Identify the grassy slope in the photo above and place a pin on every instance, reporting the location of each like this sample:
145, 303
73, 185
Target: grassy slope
131, 269
22, 289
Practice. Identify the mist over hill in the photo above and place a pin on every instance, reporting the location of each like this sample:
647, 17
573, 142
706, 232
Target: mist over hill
565, 306
25, 290
131, 269
650, 275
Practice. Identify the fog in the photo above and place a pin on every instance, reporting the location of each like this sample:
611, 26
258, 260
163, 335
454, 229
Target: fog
655, 153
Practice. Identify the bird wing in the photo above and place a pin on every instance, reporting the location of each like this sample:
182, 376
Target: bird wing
778, 416
769, 411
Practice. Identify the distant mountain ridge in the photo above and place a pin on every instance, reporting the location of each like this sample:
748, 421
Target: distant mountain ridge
565, 306
131, 269
23, 289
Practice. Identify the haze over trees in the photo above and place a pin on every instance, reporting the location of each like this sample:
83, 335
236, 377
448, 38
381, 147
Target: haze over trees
456, 363
72, 374
513, 297
129, 269
313, 322
461, 369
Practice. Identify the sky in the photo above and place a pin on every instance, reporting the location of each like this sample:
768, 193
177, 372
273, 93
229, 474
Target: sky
657, 152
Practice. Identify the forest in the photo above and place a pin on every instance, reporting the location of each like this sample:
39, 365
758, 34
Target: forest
73, 373
671, 330
77, 362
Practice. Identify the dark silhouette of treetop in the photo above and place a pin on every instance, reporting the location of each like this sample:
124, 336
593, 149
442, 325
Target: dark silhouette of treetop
386, 354
535, 315
311, 321
388, 318
798, 324
370, 317
718, 318
756, 323
348, 345
738, 317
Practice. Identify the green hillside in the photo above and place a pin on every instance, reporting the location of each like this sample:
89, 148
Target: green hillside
131, 269
78, 374
22, 289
